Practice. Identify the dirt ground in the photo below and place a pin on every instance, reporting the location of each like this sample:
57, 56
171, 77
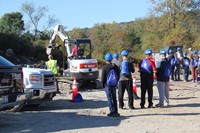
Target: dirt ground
61, 115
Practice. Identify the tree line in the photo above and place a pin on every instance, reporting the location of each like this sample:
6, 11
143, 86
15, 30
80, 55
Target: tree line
170, 22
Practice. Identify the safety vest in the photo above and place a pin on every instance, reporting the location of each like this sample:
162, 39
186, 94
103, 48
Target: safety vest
52, 66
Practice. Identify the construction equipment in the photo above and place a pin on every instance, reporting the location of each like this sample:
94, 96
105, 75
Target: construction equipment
81, 66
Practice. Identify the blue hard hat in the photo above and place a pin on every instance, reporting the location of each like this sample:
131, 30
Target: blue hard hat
184, 53
179, 48
148, 52
194, 52
124, 53
115, 55
108, 57
199, 52
163, 52
171, 51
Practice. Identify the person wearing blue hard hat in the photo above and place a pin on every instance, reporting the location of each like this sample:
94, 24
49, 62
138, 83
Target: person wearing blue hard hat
194, 65
186, 66
124, 53
116, 59
179, 49
178, 58
199, 66
109, 79
163, 75
171, 51
126, 81
148, 52
147, 71
171, 59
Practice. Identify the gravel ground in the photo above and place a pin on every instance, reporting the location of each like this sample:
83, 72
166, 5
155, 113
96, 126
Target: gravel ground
61, 115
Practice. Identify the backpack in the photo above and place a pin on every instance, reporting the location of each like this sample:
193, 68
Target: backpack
112, 79
186, 62
145, 66
168, 70
173, 61
196, 62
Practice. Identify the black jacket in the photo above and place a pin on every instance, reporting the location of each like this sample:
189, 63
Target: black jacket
161, 71
105, 71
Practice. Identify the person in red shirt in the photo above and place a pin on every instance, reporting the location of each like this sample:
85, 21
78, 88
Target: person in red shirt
147, 69
74, 50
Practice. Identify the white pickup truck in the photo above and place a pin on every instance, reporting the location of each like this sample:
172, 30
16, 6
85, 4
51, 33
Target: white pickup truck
39, 85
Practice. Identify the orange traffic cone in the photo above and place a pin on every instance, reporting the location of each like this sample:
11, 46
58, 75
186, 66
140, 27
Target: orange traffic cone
135, 88
134, 85
74, 89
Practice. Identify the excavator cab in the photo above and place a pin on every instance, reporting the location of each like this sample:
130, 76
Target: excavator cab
84, 51
84, 48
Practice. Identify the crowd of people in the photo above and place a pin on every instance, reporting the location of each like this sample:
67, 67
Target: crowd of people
118, 75
189, 61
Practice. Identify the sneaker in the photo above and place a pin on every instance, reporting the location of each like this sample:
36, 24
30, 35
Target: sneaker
150, 106
113, 114
110, 114
159, 105
131, 107
142, 106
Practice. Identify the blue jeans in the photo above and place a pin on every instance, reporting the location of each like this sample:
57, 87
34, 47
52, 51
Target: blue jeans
111, 96
199, 71
177, 71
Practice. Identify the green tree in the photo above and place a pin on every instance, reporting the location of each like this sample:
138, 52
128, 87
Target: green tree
77, 33
99, 36
36, 15
12, 23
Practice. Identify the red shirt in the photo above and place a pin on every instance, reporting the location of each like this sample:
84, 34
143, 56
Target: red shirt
151, 63
74, 50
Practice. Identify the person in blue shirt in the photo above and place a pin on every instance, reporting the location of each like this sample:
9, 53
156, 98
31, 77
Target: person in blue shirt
110, 90
186, 66
126, 81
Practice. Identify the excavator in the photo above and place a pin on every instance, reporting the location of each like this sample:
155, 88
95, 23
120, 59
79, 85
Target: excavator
82, 66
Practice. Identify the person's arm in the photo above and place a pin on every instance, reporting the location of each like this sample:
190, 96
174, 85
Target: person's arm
117, 71
131, 67
154, 69
139, 66
73, 53
103, 77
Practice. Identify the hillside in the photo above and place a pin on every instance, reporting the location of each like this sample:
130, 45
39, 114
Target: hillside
17, 59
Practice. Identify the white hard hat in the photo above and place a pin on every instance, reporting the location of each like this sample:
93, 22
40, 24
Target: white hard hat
190, 49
